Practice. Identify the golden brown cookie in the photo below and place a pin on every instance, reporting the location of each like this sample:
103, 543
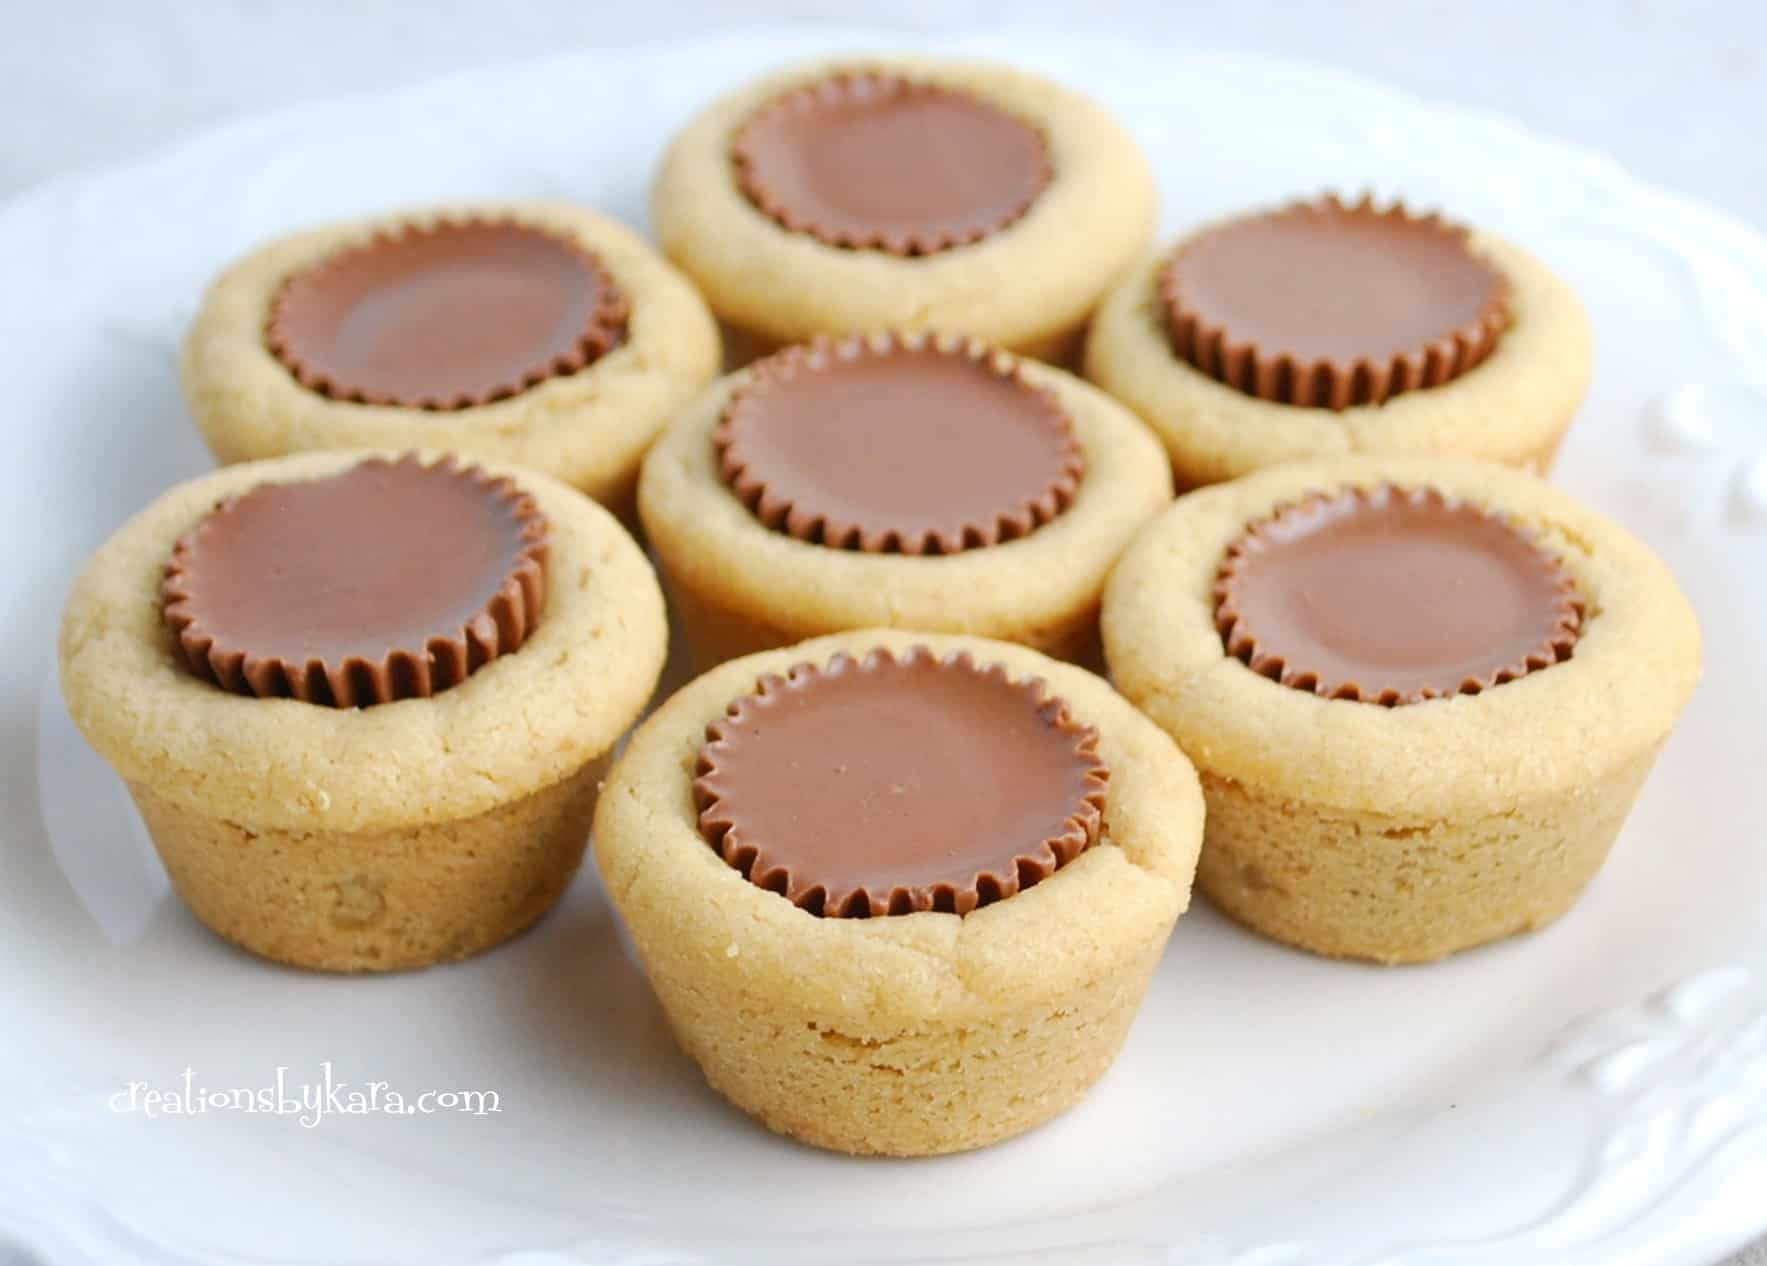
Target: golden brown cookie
1422, 694
363, 701
535, 333
908, 481
899, 893
1324, 328
902, 192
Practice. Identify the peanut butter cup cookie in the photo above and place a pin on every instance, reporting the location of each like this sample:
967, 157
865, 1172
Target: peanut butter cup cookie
905, 193
908, 481
900, 893
1422, 694
534, 333
363, 702
1324, 328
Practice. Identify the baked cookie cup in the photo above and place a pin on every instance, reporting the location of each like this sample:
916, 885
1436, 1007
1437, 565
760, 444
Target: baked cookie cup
904, 192
913, 481
536, 333
1326, 329
1422, 694
362, 701
1020, 867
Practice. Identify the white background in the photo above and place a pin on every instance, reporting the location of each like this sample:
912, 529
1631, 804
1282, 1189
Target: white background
1677, 92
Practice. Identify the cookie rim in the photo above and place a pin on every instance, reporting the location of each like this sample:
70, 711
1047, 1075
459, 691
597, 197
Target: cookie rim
288, 764
1637, 661
1109, 904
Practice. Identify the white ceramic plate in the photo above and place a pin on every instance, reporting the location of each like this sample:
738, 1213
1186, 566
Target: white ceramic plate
1594, 1093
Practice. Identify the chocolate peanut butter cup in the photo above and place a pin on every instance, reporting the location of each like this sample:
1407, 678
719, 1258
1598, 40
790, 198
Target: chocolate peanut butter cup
898, 445
390, 580
885, 785
1329, 305
1393, 597
876, 161
447, 316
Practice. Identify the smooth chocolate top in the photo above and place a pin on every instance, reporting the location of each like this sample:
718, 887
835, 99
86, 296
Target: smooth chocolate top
1330, 305
446, 317
893, 446
874, 161
1391, 597
389, 580
886, 785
